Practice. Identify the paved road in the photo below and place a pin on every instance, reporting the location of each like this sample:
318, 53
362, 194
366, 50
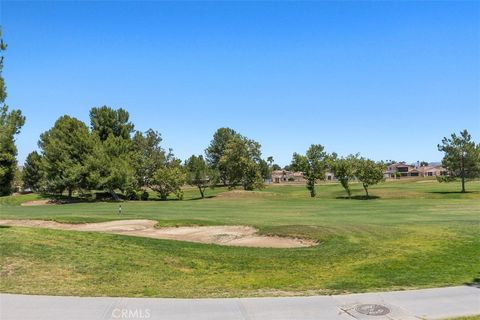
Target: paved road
400, 305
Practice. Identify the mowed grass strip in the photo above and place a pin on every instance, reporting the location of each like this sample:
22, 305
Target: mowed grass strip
415, 235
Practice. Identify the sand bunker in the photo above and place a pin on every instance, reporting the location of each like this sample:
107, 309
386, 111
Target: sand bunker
37, 203
242, 236
245, 194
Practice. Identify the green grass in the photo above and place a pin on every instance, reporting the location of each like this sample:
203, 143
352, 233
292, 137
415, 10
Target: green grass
417, 234
19, 199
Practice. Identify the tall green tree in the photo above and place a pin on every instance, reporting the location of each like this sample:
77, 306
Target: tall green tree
65, 150
3, 88
18, 180
216, 150
170, 178
344, 170
106, 121
253, 178
240, 163
266, 168
109, 165
462, 156
10, 124
313, 165
276, 167
369, 173
33, 172
199, 174
147, 157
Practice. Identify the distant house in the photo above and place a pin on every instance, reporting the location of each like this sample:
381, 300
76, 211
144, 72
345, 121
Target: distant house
433, 171
397, 169
402, 169
329, 176
281, 176
284, 176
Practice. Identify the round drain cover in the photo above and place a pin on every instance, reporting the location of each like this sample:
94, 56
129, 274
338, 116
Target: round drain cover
372, 309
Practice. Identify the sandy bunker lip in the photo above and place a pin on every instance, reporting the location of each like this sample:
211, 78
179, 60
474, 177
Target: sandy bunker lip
241, 236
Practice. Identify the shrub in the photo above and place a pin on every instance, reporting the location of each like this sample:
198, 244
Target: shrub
445, 178
131, 194
144, 196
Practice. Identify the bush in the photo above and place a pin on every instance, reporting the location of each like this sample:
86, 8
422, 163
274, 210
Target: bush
144, 196
131, 194
445, 178
107, 196
291, 179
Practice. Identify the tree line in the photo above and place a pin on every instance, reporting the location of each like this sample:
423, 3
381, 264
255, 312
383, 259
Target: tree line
461, 159
316, 161
111, 155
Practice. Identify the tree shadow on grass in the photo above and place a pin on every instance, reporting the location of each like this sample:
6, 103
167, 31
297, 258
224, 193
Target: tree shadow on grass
200, 198
4, 227
359, 198
63, 199
451, 192
156, 200
474, 283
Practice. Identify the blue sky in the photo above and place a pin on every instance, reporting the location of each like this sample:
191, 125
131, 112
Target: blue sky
386, 79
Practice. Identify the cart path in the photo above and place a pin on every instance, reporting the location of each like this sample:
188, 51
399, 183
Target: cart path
438, 303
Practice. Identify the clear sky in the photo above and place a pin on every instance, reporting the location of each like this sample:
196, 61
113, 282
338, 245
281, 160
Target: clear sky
386, 79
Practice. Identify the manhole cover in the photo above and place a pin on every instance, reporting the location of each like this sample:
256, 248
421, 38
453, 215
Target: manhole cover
372, 309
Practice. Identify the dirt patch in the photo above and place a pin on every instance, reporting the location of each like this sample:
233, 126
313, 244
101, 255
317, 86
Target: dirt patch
244, 194
44, 202
240, 236
426, 181
47, 202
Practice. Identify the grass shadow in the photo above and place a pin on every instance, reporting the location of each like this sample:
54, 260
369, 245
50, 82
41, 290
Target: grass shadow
63, 199
474, 283
359, 198
158, 200
200, 198
451, 192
